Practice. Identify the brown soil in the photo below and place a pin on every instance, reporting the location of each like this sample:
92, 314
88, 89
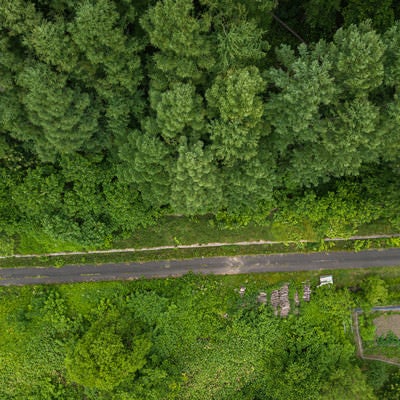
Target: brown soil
386, 323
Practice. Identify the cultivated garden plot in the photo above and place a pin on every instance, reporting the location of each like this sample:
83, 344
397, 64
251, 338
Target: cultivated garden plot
380, 332
386, 324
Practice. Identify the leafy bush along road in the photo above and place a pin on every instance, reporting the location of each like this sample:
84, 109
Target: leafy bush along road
212, 265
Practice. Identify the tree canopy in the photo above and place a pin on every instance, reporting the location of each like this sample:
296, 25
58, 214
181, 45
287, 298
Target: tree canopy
127, 111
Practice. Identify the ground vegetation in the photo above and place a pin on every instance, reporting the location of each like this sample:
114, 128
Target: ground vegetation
195, 337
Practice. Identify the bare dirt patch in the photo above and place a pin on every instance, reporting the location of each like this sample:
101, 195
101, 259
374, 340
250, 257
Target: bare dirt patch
386, 323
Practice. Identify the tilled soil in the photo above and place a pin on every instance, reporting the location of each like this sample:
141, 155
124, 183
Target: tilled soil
386, 323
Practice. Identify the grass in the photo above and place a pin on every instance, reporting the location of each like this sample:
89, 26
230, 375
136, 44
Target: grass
174, 230
146, 255
183, 230
379, 227
176, 253
389, 352
34, 242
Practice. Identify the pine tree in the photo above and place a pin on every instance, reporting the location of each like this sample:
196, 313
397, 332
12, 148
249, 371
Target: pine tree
324, 123
357, 57
184, 49
180, 113
195, 188
234, 100
63, 118
146, 162
110, 60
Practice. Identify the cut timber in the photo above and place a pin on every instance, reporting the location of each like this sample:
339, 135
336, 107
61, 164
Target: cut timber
262, 297
306, 292
284, 300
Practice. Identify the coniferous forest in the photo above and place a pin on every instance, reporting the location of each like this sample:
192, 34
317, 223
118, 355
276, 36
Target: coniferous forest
115, 112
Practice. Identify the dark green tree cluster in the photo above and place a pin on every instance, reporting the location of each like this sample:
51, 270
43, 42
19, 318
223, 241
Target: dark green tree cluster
113, 112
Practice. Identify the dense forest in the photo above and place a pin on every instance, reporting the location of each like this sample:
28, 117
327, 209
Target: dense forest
114, 112
192, 338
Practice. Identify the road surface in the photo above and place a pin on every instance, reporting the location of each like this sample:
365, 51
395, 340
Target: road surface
212, 265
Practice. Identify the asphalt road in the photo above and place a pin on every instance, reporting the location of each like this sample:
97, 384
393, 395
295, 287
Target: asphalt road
212, 265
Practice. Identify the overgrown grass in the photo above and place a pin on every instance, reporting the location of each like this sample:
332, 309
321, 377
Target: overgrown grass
183, 230
33, 319
142, 256
177, 253
390, 352
174, 230
33, 242
376, 228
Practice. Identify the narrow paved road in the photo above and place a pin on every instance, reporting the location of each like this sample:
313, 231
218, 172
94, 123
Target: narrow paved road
213, 265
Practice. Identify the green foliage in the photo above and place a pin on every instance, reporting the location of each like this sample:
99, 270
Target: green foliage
390, 339
193, 337
6, 246
324, 124
62, 118
367, 329
102, 358
337, 214
377, 373
146, 163
180, 113
234, 98
322, 14
374, 291
381, 14
357, 73
114, 113
391, 389
391, 57
184, 49
195, 188
100, 33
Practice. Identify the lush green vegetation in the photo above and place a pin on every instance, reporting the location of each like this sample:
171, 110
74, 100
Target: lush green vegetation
117, 114
379, 332
189, 338
385, 346
114, 113
185, 253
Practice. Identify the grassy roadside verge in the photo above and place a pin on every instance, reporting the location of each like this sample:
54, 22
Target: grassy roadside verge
184, 230
177, 253
175, 230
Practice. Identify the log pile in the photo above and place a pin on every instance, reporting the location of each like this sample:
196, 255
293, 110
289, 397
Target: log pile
306, 292
280, 301
262, 298
275, 301
284, 300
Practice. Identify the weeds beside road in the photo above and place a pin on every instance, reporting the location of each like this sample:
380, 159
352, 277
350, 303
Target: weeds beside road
180, 251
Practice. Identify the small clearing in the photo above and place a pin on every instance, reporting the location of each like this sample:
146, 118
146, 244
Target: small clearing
386, 323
